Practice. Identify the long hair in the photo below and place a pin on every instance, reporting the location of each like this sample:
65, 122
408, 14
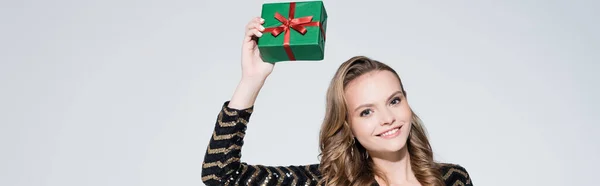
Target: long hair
344, 161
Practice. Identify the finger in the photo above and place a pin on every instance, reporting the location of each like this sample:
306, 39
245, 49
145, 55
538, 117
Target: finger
257, 33
258, 19
250, 23
251, 34
254, 32
254, 23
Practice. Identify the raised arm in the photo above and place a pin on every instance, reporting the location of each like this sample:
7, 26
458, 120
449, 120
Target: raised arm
254, 70
222, 164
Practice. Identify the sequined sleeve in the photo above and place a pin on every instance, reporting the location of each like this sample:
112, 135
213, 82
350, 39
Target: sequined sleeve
222, 164
454, 174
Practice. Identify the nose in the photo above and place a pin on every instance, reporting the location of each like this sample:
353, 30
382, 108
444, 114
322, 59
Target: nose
387, 117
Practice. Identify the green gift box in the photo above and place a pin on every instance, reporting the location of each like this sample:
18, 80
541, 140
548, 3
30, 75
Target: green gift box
294, 31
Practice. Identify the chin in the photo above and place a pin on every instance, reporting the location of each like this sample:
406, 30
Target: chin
396, 147
391, 147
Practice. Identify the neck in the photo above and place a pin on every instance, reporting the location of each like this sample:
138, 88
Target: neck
395, 166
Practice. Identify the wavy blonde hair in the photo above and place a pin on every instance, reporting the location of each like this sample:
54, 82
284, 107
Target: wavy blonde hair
344, 161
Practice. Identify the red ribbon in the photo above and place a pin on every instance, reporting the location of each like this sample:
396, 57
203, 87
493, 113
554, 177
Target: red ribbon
298, 24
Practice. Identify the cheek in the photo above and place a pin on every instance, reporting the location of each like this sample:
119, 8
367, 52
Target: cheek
361, 129
403, 112
407, 129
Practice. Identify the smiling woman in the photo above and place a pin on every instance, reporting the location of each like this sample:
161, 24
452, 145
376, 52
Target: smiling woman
369, 136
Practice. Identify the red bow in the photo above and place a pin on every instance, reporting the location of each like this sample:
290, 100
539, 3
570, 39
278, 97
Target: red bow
297, 24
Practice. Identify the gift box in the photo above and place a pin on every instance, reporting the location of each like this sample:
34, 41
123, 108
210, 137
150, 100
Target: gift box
294, 31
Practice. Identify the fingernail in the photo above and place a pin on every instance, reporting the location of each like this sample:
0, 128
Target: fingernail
259, 34
262, 28
262, 20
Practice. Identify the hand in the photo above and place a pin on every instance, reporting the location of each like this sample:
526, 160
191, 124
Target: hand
254, 70
253, 67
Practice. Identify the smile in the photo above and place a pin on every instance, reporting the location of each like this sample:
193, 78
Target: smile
390, 133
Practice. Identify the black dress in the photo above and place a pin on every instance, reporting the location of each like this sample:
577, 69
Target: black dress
222, 165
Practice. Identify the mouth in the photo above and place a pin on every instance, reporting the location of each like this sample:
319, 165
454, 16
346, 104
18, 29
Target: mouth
393, 132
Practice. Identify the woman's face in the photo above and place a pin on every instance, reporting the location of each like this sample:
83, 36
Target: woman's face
378, 113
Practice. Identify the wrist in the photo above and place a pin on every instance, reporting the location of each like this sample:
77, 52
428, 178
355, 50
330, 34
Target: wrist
253, 79
246, 93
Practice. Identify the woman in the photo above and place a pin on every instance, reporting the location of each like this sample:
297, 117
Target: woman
370, 135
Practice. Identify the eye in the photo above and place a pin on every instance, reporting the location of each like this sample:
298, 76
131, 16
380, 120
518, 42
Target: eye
365, 112
395, 101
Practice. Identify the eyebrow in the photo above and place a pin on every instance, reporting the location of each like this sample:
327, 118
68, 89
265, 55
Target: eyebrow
370, 104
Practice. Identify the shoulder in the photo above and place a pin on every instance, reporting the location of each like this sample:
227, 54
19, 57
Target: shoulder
454, 174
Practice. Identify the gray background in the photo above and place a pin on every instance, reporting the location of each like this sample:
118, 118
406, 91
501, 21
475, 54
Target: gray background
127, 92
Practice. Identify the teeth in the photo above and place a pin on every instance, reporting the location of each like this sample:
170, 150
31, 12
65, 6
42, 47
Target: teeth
390, 132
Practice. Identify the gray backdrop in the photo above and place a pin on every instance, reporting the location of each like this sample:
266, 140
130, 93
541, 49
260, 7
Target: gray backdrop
127, 92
